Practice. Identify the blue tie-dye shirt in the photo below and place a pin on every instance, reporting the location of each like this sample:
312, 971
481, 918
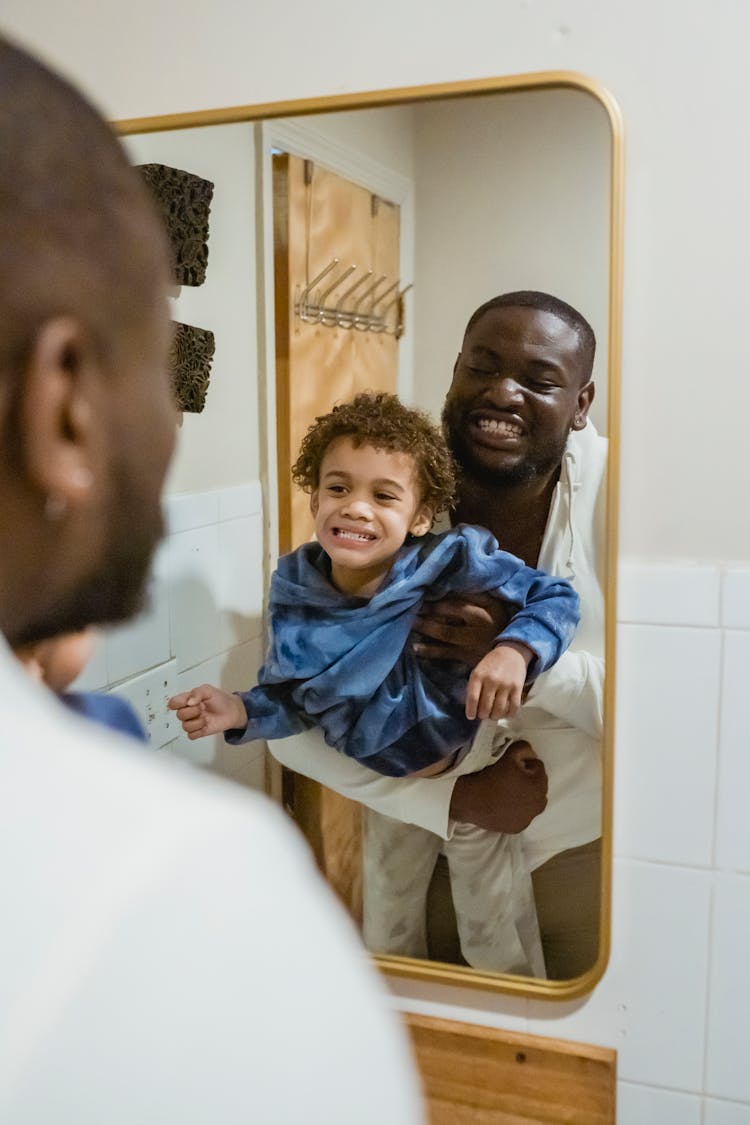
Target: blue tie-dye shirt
345, 664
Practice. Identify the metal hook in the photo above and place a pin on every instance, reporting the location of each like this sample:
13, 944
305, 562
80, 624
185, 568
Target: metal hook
383, 295
377, 319
362, 322
304, 295
346, 319
328, 316
368, 313
398, 328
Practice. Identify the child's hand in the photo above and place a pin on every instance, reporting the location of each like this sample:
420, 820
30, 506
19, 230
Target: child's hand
208, 710
496, 684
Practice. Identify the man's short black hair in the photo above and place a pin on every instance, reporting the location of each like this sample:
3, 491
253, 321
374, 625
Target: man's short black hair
545, 302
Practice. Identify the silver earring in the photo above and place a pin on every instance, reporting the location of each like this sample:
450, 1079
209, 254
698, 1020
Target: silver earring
55, 508
81, 477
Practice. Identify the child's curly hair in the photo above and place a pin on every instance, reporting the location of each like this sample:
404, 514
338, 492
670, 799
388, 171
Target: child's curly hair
382, 421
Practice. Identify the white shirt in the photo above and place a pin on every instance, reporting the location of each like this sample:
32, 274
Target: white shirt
169, 953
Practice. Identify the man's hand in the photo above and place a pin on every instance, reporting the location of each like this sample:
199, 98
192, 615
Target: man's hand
504, 797
496, 685
208, 710
459, 629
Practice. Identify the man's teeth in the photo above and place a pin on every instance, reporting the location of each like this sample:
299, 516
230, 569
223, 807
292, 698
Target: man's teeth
355, 535
494, 426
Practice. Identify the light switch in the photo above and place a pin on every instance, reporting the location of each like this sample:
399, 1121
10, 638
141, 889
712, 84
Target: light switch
148, 695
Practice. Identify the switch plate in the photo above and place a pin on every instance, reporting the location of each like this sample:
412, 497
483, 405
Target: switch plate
148, 695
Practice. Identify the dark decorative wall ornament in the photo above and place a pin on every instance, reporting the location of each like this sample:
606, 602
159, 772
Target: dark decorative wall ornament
190, 366
185, 201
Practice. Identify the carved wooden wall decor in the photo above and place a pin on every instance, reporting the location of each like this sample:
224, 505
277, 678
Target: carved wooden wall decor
190, 366
185, 201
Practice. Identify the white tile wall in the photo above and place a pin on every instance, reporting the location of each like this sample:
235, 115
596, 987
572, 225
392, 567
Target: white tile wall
675, 999
667, 722
241, 500
240, 593
145, 642
195, 595
187, 510
668, 595
651, 1004
205, 611
735, 601
645, 1105
725, 1113
727, 1070
733, 819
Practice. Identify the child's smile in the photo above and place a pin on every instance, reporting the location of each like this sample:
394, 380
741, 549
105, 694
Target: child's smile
366, 504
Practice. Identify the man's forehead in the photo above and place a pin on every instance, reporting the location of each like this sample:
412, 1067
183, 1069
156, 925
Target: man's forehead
534, 328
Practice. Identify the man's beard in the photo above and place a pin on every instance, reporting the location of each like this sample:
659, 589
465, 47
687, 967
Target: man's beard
540, 463
115, 588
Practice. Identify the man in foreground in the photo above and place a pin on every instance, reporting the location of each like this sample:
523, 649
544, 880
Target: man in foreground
169, 954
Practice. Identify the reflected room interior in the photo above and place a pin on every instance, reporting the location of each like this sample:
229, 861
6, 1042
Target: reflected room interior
367, 237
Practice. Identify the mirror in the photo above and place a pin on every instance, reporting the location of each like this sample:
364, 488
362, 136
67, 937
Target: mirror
504, 185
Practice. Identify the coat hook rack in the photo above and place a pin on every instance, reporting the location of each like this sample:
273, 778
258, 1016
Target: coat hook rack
371, 311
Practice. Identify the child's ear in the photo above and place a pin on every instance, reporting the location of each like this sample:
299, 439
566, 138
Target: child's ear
314, 502
422, 521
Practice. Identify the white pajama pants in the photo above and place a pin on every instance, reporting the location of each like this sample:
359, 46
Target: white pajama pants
490, 883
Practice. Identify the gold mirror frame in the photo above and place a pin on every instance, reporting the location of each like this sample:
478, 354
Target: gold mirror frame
439, 972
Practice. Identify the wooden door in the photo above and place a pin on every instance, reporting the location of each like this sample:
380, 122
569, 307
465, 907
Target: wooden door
318, 217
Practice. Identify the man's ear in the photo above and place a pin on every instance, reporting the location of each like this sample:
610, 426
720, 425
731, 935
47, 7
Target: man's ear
314, 502
422, 521
583, 405
56, 412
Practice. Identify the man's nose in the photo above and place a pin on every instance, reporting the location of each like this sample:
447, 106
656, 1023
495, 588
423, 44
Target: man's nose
506, 390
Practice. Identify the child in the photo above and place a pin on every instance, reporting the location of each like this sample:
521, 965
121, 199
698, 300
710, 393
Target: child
59, 661
342, 608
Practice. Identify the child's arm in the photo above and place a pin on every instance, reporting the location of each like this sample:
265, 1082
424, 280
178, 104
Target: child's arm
208, 710
546, 611
496, 684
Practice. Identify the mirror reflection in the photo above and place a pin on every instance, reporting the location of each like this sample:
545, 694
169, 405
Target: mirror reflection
455, 252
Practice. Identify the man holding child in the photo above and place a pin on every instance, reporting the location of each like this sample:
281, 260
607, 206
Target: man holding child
533, 473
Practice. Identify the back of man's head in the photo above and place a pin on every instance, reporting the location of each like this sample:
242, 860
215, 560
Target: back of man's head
86, 411
545, 302
78, 231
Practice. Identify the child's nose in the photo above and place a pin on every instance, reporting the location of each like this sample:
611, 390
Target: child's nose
357, 507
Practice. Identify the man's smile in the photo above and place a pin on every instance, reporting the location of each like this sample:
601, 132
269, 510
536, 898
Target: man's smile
497, 428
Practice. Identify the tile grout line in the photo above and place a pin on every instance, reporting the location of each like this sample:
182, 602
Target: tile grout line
714, 846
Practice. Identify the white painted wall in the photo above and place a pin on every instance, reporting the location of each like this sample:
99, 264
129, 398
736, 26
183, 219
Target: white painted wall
383, 135
675, 1000
512, 193
677, 69
219, 446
